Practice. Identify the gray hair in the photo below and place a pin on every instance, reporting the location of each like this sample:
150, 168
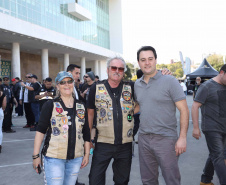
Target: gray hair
117, 58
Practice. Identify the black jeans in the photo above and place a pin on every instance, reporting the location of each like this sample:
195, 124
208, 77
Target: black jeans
19, 108
103, 153
7, 121
29, 114
216, 143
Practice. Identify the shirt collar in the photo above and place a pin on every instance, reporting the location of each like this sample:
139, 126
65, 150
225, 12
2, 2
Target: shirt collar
158, 75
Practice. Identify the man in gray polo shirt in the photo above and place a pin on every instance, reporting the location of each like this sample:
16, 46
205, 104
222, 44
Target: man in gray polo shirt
158, 97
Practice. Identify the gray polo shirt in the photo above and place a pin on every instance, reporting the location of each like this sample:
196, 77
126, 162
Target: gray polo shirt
157, 104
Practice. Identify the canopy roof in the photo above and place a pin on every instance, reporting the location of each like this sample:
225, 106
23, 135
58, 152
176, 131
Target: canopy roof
205, 70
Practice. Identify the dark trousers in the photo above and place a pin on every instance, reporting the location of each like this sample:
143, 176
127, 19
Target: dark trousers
7, 122
216, 143
29, 114
19, 108
103, 153
35, 110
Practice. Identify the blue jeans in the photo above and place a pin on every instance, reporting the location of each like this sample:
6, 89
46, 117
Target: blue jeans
216, 143
61, 171
35, 110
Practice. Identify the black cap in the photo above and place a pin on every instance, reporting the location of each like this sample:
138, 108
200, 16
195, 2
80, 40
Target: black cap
34, 76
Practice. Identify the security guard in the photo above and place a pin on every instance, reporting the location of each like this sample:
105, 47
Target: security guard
113, 101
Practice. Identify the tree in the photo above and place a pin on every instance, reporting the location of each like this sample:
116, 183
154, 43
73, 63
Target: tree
216, 61
128, 74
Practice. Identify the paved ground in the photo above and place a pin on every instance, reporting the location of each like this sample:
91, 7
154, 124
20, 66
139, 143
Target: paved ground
16, 162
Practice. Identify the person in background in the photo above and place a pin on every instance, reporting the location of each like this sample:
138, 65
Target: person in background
96, 78
184, 87
137, 115
196, 87
45, 93
7, 122
24, 99
90, 79
2, 108
16, 92
64, 122
211, 98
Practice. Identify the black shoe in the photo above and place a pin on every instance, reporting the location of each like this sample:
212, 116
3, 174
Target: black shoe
33, 128
79, 183
10, 131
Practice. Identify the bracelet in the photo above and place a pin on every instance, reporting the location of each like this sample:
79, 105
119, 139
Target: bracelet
35, 156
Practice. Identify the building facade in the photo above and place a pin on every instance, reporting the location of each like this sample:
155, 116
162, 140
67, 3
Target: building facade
44, 36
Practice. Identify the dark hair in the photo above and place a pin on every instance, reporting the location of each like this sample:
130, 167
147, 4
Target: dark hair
0, 80
71, 67
48, 79
223, 68
17, 78
97, 77
139, 73
146, 48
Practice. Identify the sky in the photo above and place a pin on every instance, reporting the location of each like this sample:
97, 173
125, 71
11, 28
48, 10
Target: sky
194, 27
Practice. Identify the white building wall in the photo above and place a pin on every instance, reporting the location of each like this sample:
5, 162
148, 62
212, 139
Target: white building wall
115, 22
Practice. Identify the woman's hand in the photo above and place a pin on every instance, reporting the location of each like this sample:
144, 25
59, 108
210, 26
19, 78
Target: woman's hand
85, 160
36, 163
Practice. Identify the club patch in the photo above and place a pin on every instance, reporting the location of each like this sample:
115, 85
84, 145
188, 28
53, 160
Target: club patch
126, 95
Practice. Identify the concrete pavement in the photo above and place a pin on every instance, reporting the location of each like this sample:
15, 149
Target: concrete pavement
16, 161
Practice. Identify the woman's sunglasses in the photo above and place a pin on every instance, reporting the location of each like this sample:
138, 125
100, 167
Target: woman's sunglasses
114, 68
64, 82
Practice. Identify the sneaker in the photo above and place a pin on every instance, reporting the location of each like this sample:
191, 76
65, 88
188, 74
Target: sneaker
10, 131
26, 126
202, 183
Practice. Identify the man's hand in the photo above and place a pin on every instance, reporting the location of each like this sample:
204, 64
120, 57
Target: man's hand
196, 133
180, 146
165, 71
20, 102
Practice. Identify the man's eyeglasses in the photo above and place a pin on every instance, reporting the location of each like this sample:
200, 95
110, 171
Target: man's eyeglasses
86, 76
114, 68
64, 82
5, 80
27, 77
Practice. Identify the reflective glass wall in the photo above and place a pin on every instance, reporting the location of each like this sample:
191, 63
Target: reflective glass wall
53, 14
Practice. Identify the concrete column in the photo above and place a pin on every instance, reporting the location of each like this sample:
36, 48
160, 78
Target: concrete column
96, 67
66, 61
45, 64
83, 67
15, 64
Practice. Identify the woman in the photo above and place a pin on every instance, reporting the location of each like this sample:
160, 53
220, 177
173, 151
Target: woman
2, 108
64, 121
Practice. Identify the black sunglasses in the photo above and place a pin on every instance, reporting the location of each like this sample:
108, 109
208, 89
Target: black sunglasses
114, 68
64, 82
86, 76
27, 77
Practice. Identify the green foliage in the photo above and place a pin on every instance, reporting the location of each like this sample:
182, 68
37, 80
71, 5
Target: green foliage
216, 61
175, 68
128, 73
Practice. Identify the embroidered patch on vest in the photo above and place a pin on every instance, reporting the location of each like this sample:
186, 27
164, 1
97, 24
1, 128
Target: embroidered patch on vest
130, 132
129, 117
56, 131
80, 113
53, 121
101, 89
126, 95
59, 110
102, 113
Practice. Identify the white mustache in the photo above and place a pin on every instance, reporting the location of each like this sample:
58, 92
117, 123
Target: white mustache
117, 74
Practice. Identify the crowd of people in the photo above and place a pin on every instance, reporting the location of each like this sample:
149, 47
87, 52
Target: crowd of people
104, 116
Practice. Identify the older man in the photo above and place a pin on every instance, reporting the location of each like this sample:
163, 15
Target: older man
158, 97
114, 104
211, 97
